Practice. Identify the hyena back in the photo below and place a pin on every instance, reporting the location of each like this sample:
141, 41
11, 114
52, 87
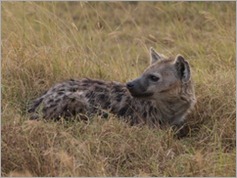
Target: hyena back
164, 93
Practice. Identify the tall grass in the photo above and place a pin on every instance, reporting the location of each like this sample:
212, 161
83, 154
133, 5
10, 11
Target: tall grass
47, 42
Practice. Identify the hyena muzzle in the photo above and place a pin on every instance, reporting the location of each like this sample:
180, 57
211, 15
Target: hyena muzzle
164, 93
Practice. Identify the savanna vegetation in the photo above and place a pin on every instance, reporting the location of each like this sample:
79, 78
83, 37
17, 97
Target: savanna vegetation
48, 42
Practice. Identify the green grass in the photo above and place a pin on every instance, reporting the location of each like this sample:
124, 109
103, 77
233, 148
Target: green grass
47, 42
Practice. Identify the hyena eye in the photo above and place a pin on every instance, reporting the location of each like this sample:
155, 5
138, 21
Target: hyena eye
154, 78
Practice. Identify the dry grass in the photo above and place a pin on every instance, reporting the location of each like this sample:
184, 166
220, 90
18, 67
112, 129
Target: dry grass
44, 43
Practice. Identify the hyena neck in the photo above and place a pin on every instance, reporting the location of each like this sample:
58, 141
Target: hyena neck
173, 110
144, 111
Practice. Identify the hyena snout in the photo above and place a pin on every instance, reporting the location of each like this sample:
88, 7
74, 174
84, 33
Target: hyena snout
130, 85
138, 88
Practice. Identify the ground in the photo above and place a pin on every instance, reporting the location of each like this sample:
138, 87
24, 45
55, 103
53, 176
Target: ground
48, 42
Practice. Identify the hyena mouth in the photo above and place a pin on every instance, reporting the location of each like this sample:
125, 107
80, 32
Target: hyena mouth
137, 90
141, 95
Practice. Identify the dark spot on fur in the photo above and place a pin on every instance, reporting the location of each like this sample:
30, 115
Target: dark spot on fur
73, 112
107, 105
73, 89
99, 82
119, 97
60, 92
99, 89
92, 100
65, 109
62, 89
67, 114
53, 105
89, 94
57, 100
123, 111
84, 84
54, 89
144, 114
65, 97
151, 110
72, 83
44, 109
73, 99
51, 100
101, 96
160, 122
35, 104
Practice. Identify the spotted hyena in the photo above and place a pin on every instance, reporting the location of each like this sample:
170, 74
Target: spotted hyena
164, 93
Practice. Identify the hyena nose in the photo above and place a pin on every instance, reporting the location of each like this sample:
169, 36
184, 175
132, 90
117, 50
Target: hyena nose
130, 85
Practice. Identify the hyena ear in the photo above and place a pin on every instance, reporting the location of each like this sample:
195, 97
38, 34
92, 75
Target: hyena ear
183, 68
155, 56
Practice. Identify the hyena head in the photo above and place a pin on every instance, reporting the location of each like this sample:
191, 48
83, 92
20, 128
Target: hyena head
163, 78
